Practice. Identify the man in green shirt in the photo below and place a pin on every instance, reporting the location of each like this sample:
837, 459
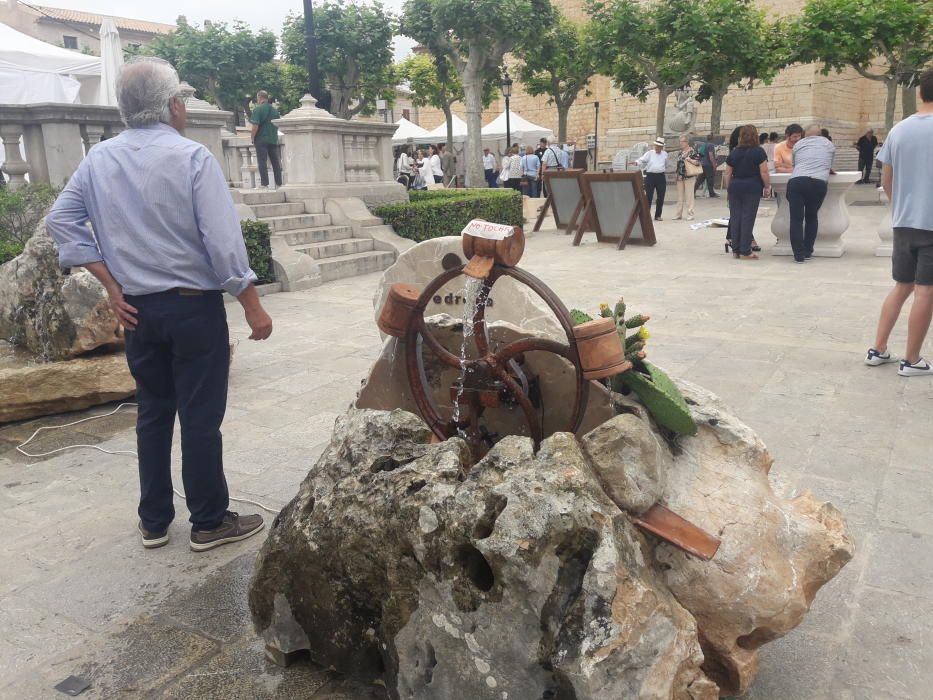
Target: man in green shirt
266, 138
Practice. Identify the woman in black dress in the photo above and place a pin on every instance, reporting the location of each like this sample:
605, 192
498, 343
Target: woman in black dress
747, 180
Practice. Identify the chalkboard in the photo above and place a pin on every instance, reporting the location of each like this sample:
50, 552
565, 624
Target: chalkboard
564, 198
615, 208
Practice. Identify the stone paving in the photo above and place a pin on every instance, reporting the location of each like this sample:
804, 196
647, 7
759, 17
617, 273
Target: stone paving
782, 343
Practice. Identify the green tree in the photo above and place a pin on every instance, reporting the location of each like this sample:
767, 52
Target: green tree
735, 45
474, 35
224, 65
354, 47
890, 41
645, 46
438, 87
559, 64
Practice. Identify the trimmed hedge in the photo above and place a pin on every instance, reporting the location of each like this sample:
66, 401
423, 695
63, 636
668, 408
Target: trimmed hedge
259, 249
437, 213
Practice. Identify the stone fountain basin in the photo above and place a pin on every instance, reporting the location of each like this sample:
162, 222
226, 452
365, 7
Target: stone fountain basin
29, 389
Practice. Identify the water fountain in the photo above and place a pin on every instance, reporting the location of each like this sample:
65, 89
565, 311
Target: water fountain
496, 523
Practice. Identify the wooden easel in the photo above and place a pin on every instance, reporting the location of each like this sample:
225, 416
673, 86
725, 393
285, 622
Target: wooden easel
568, 224
589, 218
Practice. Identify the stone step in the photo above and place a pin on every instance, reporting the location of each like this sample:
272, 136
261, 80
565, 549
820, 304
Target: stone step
264, 211
317, 234
296, 221
333, 249
354, 264
252, 197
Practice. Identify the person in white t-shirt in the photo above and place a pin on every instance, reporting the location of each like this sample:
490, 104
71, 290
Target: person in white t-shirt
504, 168
404, 166
434, 161
489, 168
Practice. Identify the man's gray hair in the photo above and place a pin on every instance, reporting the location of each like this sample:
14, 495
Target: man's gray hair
144, 87
812, 130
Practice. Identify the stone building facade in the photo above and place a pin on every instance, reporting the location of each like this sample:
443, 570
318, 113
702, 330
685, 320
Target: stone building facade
844, 103
74, 29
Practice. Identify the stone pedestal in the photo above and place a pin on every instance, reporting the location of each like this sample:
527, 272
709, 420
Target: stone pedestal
886, 233
834, 216
336, 157
206, 124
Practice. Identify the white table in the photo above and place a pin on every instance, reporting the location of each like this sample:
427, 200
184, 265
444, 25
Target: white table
834, 215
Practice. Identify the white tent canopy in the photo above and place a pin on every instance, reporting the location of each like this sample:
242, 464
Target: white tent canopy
520, 129
440, 133
32, 71
408, 131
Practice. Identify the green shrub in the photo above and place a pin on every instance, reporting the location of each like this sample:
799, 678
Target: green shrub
258, 248
21, 211
437, 213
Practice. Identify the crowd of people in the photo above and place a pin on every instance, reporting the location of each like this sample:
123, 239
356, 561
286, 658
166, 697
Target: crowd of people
521, 167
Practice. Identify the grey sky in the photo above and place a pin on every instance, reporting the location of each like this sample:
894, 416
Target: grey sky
267, 13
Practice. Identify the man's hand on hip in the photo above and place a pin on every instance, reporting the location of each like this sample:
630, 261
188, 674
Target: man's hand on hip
125, 313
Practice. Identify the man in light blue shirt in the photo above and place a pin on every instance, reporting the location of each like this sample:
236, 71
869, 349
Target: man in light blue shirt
907, 178
531, 165
806, 189
166, 240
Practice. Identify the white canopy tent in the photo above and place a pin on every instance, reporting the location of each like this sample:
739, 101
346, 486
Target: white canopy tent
408, 131
440, 133
520, 129
32, 71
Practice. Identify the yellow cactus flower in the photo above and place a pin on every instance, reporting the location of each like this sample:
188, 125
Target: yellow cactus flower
643, 333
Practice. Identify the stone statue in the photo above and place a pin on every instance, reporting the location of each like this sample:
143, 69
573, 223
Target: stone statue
683, 117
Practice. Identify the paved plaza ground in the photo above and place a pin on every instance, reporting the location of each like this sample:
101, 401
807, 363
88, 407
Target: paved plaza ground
781, 343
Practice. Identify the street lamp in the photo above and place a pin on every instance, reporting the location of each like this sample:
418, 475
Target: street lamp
506, 86
596, 138
314, 75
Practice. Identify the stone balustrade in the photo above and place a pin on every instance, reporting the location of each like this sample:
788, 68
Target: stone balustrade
46, 142
52, 137
240, 163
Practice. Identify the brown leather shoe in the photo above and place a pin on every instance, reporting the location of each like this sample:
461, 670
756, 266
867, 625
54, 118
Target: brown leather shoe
235, 527
153, 540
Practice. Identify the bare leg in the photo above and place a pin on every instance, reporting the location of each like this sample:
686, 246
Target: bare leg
890, 310
918, 323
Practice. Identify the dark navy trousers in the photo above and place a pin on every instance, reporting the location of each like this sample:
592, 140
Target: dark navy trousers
179, 355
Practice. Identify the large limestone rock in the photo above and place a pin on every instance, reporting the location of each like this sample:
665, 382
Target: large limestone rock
52, 315
517, 578
56, 387
395, 550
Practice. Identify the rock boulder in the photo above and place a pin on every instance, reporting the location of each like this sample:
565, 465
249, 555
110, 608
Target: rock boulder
54, 316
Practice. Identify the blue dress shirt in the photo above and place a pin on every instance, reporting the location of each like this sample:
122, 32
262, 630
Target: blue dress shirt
161, 212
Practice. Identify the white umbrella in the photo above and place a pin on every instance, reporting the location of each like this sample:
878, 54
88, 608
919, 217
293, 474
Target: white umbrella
111, 55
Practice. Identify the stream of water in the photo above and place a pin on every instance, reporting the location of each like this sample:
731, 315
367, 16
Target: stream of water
472, 302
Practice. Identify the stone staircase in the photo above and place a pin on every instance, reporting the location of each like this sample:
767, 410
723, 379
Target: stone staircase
337, 253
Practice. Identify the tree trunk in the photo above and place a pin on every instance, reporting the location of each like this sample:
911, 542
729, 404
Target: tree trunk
663, 93
890, 102
908, 100
449, 116
472, 79
715, 119
562, 113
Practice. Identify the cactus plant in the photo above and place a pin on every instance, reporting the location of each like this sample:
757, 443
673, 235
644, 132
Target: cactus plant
579, 317
661, 397
652, 386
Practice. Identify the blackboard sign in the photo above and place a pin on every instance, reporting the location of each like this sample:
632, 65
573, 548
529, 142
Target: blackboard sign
564, 198
615, 207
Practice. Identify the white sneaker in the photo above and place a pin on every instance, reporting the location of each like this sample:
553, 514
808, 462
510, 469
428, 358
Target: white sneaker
874, 358
918, 368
